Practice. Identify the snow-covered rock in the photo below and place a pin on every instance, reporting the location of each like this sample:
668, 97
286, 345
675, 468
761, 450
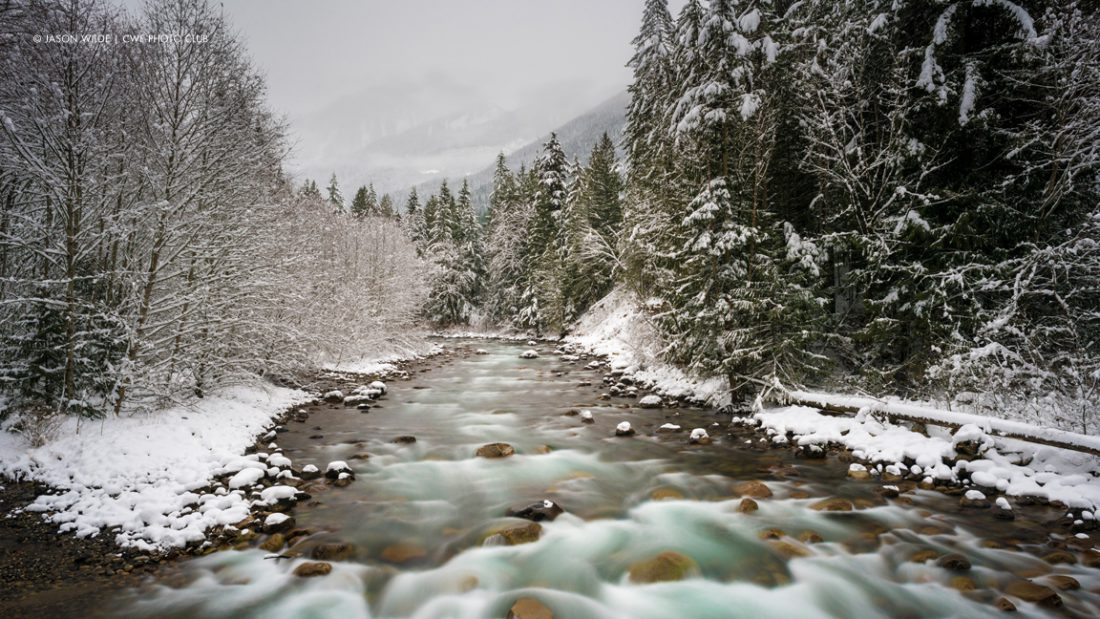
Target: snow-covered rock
624, 429
336, 468
378, 386
699, 436
586, 417
333, 396
245, 478
529, 354
650, 401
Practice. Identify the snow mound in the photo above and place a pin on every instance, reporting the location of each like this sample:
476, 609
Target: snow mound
140, 473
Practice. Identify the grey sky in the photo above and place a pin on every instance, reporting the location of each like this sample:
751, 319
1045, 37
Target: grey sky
348, 73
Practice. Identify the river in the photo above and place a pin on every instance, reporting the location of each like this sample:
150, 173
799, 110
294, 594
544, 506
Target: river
421, 521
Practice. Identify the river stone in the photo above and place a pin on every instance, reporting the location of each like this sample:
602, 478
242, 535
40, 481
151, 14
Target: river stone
835, 504
514, 536
310, 569
337, 551
810, 537
1091, 558
665, 494
529, 608
963, 583
1005, 605
495, 450
753, 489
404, 440
334, 396
274, 543
537, 512
747, 506
650, 401
278, 523
1060, 556
1036, 594
403, 552
1062, 582
665, 567
789, 550
954, 562
859, 472
771, 534
922, 556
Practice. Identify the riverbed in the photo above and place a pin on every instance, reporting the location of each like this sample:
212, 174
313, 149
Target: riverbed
652, 525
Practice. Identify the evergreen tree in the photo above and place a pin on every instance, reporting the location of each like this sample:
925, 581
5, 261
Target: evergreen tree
385, 206
359, 204
335, 198
542, 306
310, 192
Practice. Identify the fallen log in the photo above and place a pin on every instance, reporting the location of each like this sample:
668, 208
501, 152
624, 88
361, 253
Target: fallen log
845, 405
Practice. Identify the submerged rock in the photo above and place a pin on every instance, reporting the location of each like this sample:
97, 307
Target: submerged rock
665, 567
337, 551
311, 569
954, 562
752, 488
403, 553
529, 608
537, 512
835, 504
1034, 593
495, 450
516, 535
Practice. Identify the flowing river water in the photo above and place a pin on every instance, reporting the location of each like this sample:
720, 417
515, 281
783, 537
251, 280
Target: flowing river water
420, 518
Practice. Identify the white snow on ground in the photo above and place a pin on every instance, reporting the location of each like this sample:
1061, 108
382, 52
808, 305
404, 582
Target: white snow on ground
386, 363
139, 473
618, 328
1011, 467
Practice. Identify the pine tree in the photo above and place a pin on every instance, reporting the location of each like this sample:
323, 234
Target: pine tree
385, 206
359, 204
506, 242
542, 306
310, 192
335, 198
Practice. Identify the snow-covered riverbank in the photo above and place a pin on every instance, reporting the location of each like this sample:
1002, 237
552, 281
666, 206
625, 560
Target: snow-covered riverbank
617, 328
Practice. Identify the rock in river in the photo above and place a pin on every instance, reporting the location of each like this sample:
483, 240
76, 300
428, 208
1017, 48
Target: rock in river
1036, 594
665, 567
650, 401
495, 450
753, 489
529, 608
516, 535
278, 523
310, 569
624, 429
537, 512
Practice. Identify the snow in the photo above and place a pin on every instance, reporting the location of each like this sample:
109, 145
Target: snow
277, 493
140, 473
669, 426
1011, 467
586, 415
247, 477
623, 427
337, 465
974, 495
275, 519
309, 468
650, 400
529, 354
698, 434
1003, 503
617, 327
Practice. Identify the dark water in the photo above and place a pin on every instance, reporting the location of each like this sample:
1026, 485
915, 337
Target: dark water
418, 516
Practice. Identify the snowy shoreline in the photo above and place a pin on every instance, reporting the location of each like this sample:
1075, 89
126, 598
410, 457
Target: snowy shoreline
140, 478
971, 456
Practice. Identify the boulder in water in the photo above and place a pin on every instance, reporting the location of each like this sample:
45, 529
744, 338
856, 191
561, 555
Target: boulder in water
310, 471
529, 354
650, 401
586, 417
515, 535
699, 436
529, 608
495, 450
403, 552
954, 562
339, 551
835, 504
334, 396
537, 512
747, 506
311, 569
404, 440
624, 429
665, 567
753, 489
1034, 593
278, 523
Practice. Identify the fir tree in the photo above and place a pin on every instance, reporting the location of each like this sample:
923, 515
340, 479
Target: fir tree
335, 198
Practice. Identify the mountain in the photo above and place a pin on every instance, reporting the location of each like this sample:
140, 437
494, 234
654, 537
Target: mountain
405, 132
577, 137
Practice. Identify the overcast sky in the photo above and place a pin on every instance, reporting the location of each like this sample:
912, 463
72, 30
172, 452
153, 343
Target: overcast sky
314, 51
329, 63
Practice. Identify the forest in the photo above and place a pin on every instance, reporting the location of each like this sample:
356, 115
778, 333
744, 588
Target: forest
895, 197
892, 197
